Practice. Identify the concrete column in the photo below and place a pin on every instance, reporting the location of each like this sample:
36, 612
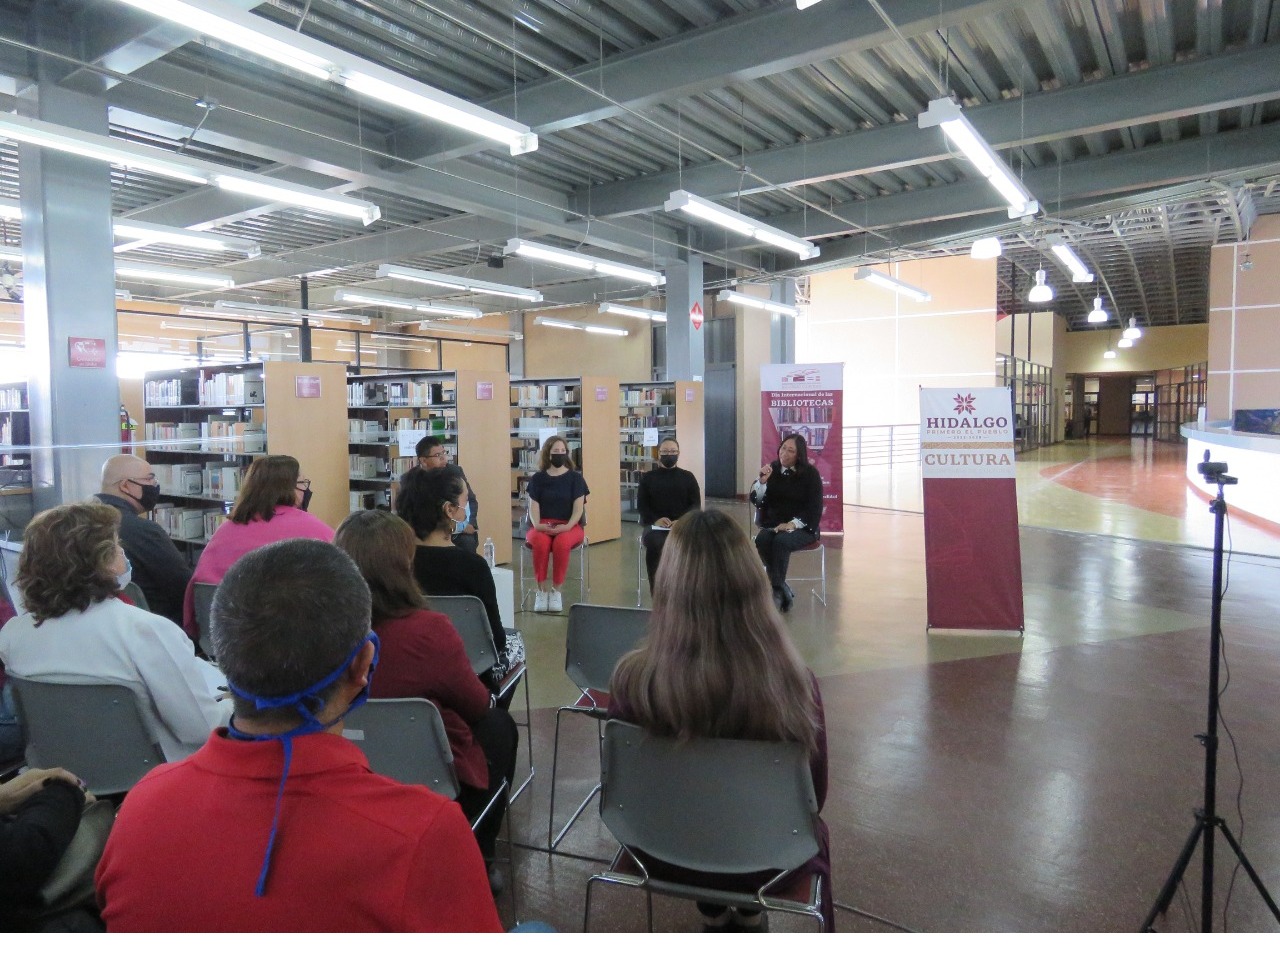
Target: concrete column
69, 292
515, 350
686, 358
782, 330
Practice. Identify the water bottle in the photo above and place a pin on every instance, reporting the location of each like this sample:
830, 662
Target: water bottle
490, 552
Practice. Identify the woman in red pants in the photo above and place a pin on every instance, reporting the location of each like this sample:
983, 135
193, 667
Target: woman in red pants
557, 496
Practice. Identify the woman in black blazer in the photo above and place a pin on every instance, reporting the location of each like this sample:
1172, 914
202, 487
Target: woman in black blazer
789, 495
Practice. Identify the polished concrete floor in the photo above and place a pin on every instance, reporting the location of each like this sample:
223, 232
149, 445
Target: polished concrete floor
1042, 782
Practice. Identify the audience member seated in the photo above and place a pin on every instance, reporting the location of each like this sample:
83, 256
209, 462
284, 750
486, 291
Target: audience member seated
277, 824
557, 503
433, 503
76, 629
717, 662
272, 506
788, 493
421, 655
159, 570
666, 493
432, 454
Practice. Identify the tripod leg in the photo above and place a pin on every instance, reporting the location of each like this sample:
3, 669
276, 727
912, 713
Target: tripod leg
1175, 877
1248, 868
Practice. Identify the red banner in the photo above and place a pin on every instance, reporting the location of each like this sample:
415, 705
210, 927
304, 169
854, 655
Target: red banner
807, 399
973, 559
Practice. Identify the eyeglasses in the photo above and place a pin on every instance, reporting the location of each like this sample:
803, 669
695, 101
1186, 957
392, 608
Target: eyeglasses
303, 485
149, 479
440, 454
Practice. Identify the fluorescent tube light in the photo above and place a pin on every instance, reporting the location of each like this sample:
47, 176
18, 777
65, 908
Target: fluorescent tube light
1041, 292
587, 327
274, 41
97, 147
148, 271
430, 325
299, 196
540, 251
449, 282
404, 303
893, 283
745, 300
290, 313
149, 233
1097, 314
682, 201
806, 4
562, 324
986, 248
1067, 257
122, 294
945, 113
640, 313
607, 331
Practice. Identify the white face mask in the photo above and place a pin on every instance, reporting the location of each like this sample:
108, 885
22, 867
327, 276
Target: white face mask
124, 579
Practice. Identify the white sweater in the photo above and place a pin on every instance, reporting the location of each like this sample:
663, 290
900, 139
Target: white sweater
113, 642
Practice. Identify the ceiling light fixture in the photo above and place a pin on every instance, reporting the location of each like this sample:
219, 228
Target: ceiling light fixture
746, 300
150, 271
149, 233
806, 4
440, 325
1109, 354
322, 201
568, 258
230, 311
318, 60
986, 248
1124, 343
1132, 332
945, 113
1041, 292
313, 317
682, 201
392, 271
640, 313
404, 303
588, 327
892, 283
1097, 314
1067, 257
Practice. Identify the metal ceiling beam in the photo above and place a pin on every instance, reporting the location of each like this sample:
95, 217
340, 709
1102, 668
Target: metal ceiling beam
1198, 86
762, 43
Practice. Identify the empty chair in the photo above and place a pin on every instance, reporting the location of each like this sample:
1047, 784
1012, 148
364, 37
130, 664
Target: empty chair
202, 596
468, 617
687, 812
597, 639
95, 730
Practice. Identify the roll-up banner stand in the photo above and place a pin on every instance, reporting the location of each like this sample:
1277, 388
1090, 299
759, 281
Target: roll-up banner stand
807, 399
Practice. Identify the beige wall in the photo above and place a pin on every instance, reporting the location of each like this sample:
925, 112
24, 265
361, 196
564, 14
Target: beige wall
553, 352
1244, 317
892, 346
1159, 348
751, 352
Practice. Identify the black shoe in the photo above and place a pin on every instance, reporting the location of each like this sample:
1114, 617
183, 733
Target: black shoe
787, 600
779, 598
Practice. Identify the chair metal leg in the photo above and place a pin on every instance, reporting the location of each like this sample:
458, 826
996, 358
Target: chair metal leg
822, 560
639, 571
553, 839
528, 733
584, 570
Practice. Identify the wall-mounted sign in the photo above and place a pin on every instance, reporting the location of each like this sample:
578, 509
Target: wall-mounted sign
307, 388
695, 316
484, 389
86, 352
689, 393
602, 393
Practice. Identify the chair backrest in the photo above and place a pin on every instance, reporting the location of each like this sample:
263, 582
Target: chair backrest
472, 623
202, 595
95, 730
597, 639
405, 739
136, 596
719, 806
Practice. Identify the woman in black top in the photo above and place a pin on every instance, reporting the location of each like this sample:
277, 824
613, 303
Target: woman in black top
789, 495
666, 493
557, 505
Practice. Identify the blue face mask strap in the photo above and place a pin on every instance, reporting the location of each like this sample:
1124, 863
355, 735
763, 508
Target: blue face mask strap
310, 724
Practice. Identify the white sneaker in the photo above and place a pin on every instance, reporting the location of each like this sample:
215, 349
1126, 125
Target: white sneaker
554, 605
540, 602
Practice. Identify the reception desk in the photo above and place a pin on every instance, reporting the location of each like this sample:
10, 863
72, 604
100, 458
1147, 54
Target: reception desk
1252, 458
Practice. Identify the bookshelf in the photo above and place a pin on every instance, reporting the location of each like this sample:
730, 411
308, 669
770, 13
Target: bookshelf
646, 417
389, 413
585, 411
16, 504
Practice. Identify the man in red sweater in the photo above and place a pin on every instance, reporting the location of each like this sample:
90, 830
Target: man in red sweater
276, 823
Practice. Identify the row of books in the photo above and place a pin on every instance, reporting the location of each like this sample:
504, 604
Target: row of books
446, 423
635, 452
366, 468
13, 398
539, 394
631, 397
218, 389
188, 523
216, 481
635, 422
210, 436
367, 431
401, 393
369, 500
804, 414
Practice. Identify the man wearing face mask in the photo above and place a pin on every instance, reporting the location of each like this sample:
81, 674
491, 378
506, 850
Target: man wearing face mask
666, 494
277, 824
159, 569
432, 454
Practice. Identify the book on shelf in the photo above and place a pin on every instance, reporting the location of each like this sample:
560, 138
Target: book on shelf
543, 394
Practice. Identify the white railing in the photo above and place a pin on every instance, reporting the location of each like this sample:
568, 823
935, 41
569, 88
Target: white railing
881, 445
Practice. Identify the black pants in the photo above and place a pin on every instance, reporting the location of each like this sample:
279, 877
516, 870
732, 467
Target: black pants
775, 551
498, 737
654, 541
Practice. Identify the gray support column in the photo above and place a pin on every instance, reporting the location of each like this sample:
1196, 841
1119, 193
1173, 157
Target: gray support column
782, 330
69, 292
515, 348
686, 359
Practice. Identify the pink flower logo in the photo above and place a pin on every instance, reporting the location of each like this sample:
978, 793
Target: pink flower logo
964, 403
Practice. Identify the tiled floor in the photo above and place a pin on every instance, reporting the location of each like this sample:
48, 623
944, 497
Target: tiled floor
989, 782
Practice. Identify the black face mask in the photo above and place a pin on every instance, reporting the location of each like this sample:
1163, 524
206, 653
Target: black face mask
306, 500
148, 495
559, 459
668, 459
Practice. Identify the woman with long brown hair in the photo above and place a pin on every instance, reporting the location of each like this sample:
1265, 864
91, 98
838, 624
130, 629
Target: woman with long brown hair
421, 655
272, 506
717, 663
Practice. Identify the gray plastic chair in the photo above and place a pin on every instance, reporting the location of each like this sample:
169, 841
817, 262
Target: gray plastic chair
714, 806
202, 594
404, 738
472, 623
95, 730
597, 639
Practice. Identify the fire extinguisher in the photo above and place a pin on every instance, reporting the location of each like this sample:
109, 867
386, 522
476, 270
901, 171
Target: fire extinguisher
127, 427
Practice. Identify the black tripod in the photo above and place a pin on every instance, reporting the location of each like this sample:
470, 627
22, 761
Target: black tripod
1207, 819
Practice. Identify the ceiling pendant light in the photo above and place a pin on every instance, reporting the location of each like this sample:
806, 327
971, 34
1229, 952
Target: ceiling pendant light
1124, 343
1097, 314
1132, 332
1041, 292
985, 248
1109, 354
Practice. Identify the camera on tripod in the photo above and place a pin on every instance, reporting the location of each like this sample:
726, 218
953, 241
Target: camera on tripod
1215, 471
